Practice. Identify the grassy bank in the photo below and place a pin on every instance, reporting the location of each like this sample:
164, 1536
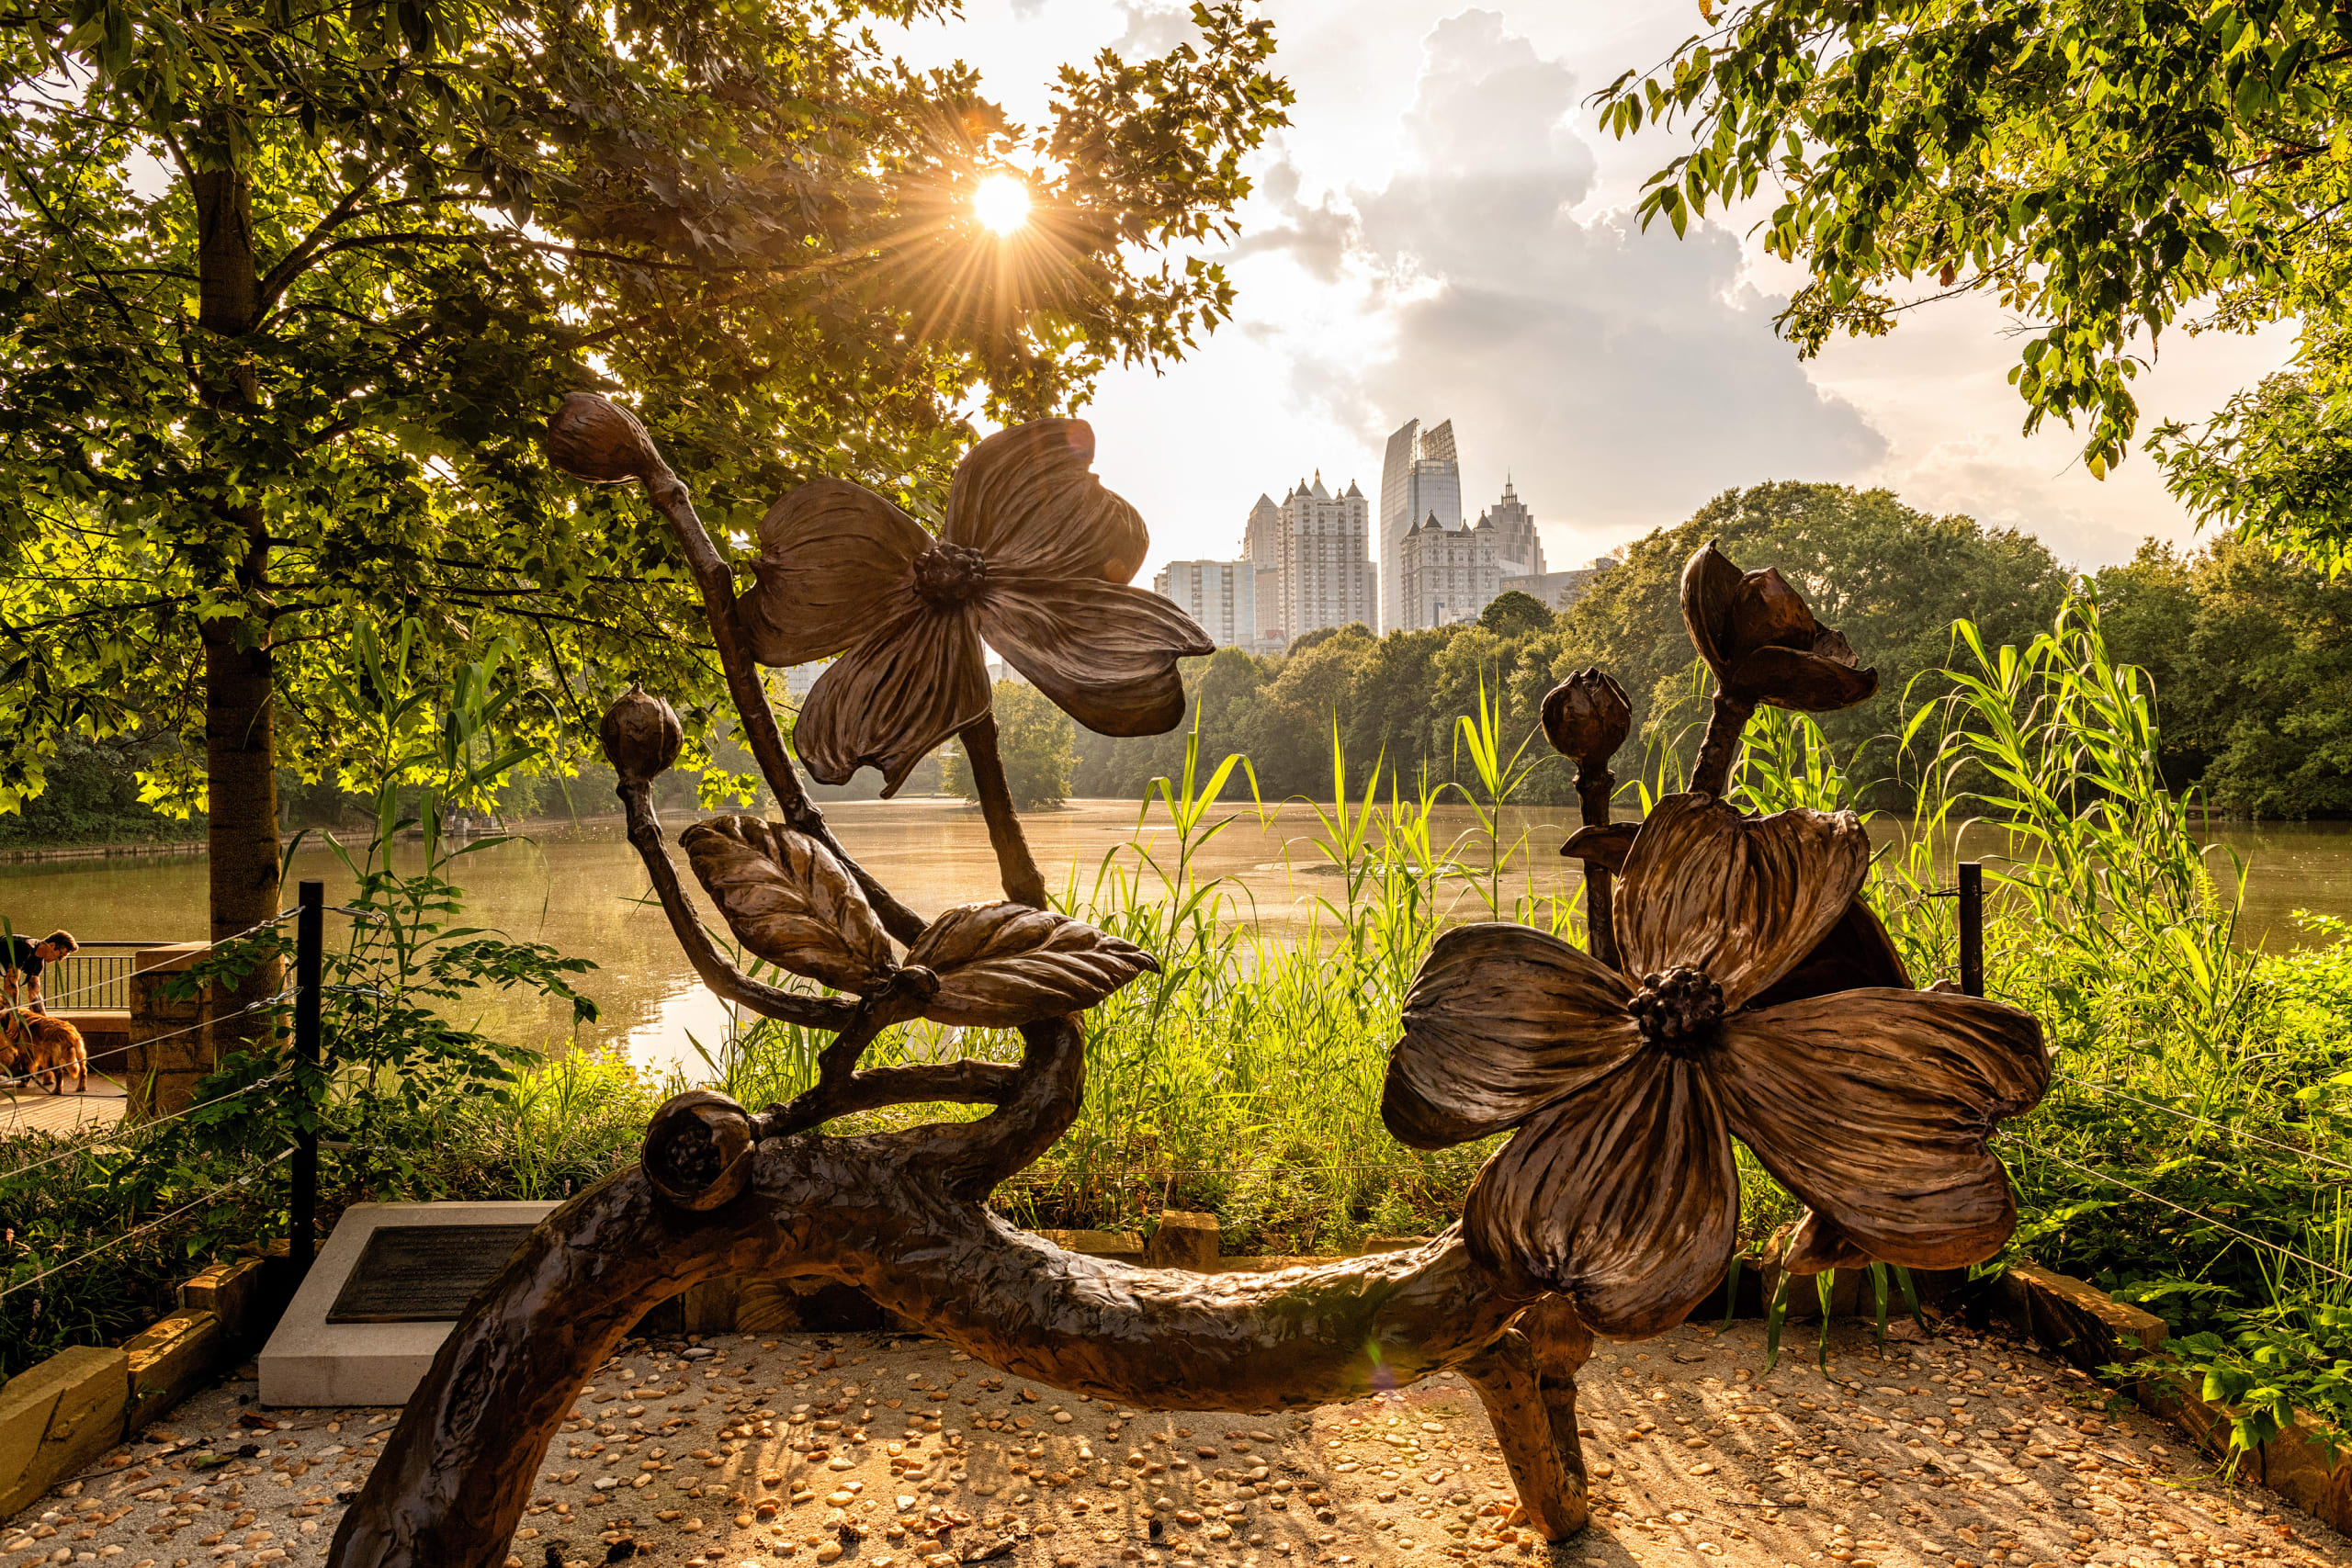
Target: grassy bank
2191, 1155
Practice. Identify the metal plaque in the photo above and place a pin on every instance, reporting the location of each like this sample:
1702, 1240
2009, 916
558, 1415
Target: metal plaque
424, 1273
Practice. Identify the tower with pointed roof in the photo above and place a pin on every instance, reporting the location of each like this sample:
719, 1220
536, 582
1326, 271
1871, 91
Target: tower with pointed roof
1421, 476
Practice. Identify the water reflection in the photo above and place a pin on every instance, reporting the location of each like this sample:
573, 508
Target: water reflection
579, 889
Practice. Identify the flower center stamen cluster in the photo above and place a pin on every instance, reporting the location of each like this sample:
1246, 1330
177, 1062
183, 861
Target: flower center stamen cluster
1679, 1011
948, 574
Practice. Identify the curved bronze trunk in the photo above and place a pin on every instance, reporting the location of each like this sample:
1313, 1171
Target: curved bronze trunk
452, 1483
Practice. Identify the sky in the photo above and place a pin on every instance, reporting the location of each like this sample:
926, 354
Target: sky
1444, 231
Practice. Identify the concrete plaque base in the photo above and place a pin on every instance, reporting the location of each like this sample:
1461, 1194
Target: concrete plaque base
311, 1361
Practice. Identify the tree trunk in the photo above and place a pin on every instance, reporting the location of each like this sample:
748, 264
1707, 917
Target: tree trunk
239, 733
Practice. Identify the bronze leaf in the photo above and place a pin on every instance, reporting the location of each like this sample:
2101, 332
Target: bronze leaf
789, 899
1501, 1020
1027, 499
1002, 964
1622, 1197
1808, 683
834, 561
1874, 1107
1106, 653
1741, 899
1604, 845
887, 702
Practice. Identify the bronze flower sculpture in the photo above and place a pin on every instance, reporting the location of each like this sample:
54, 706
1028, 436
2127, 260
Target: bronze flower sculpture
1034, 557
1618, 1190
1611, 1207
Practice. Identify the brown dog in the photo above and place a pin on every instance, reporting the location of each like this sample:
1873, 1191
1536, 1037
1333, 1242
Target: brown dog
35, 1046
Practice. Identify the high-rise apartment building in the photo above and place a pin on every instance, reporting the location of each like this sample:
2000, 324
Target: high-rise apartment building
1519, 552
1261, 539
1450, 574
1420, 477
1324, 576
1220, 594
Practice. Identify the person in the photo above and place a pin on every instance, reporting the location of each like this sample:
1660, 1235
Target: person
24, 959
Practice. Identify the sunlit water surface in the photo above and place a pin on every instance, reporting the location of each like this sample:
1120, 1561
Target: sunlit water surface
580, 889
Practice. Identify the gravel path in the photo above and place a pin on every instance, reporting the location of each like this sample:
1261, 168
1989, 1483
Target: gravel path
886, 1452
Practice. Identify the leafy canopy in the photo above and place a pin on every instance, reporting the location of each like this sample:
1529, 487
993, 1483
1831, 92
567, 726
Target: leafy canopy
2101, 170
288, 293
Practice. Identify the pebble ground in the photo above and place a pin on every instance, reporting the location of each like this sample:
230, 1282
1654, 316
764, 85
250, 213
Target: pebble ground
883, 1451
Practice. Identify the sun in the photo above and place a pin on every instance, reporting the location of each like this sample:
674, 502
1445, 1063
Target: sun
1001, 203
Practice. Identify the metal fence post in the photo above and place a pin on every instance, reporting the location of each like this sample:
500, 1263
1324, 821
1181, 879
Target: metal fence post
1972, 927
310, 940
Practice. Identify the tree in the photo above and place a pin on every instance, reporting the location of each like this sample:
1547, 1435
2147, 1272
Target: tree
2251, 657
291, 294
2097, 169
1035, 741
1515, 613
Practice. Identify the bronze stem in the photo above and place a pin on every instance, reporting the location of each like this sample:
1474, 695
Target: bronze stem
670, 498
1024, 883
770, 1001
1726, 724
1595, 787
457, 1473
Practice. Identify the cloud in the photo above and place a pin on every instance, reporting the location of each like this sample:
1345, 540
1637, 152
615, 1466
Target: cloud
1620, 377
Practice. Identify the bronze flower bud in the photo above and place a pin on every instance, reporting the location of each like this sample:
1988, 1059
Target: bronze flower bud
641, 736
593, 438
1586, 717
697, 1149
1763, 644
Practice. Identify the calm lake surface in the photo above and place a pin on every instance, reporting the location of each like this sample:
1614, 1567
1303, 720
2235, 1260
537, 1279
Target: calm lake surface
580, 889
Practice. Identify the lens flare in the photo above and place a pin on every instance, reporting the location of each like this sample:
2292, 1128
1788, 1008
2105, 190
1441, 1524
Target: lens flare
1001, 203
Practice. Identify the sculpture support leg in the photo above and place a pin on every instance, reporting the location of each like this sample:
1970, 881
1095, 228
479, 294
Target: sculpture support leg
1527, 1381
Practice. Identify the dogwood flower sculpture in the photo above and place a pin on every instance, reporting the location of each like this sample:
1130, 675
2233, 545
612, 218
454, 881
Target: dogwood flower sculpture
1618, 1190
1034, 557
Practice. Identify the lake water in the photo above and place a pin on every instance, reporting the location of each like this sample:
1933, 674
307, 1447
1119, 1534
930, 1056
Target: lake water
580, 889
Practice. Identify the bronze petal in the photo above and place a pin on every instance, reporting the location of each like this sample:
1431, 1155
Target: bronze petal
1741, 897
834, 558
1768, 613
1604, 846
789, 899
1805, 682
1027, 499
1815, 1245
1001, 965
1105, 652
1622, 1197
1711, 586
1856, 955
913, 682
1874, 1107
1501, 1020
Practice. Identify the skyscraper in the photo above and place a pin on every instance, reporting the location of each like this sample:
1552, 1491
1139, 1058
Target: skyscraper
1519, 552
1261, 548
1325, 576
1220, 594
1420, 477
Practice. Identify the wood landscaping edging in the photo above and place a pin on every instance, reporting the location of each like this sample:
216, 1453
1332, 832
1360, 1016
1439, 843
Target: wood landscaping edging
59, 1418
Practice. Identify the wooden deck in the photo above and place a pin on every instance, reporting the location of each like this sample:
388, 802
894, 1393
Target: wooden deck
31, 1109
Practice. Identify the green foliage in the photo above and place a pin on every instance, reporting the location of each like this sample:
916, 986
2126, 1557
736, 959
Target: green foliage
1035, 743
1514, 614
2095, 169
2252, 657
